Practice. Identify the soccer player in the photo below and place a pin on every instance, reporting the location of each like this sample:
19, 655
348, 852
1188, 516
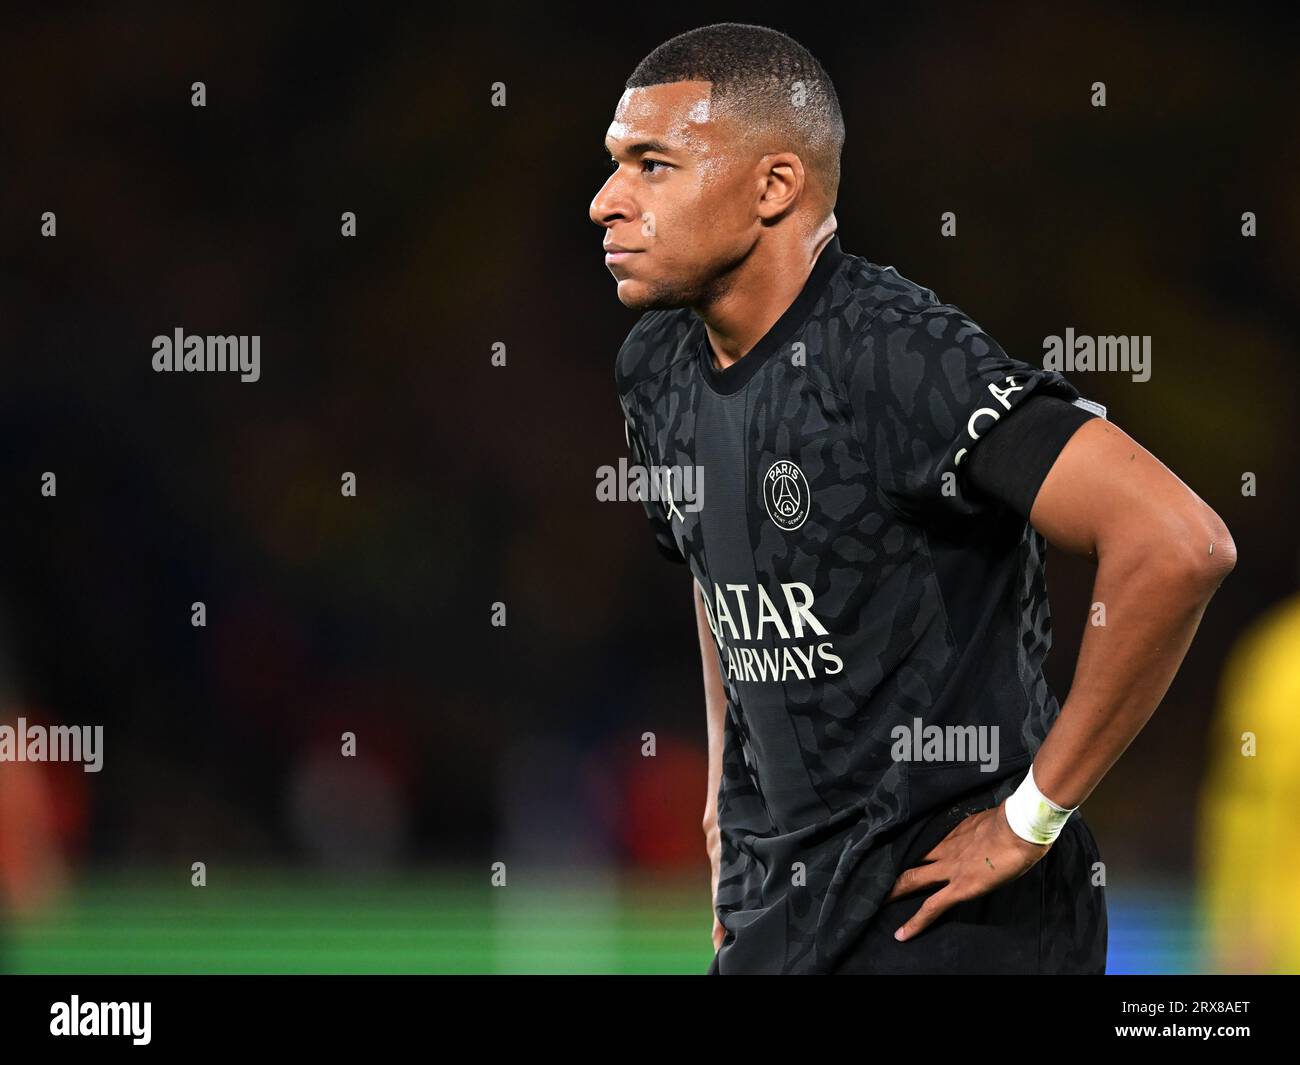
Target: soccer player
862, 484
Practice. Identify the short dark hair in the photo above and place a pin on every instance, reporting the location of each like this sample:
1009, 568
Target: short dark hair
770, 82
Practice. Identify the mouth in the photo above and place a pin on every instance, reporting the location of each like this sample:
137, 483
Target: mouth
615, 254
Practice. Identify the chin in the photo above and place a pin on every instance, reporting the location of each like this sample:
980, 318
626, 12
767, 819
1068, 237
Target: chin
639, 296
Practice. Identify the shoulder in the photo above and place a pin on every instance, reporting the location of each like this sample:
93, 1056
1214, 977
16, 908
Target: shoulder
931, 360
900, 311
656, 342
879, 310
877, 289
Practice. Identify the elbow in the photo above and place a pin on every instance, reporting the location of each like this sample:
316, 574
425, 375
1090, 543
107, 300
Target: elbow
711, 828
1201, 552
1186, 552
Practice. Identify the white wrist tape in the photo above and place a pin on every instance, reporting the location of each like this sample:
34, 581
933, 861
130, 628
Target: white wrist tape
1032, 815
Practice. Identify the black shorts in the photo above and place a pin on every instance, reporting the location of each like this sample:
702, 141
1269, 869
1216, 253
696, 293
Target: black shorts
1052, 919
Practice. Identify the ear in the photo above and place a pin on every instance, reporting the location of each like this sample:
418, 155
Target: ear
781, 181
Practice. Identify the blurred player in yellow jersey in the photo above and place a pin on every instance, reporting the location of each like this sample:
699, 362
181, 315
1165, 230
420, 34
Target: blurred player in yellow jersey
1249, 848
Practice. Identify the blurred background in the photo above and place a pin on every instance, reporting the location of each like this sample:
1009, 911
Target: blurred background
480, 744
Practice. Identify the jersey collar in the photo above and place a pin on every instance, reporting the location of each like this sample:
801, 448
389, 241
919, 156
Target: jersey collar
731, 380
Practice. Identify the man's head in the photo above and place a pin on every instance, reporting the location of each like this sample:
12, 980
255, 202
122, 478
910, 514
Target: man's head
722, 134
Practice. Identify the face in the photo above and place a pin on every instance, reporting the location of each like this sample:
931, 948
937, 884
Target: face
680, 197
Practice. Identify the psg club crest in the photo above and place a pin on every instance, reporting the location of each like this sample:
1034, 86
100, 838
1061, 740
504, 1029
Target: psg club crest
785, 491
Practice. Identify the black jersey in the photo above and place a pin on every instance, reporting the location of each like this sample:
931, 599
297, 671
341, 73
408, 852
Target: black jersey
864, 601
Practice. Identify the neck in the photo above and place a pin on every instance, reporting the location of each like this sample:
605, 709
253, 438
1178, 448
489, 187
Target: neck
759, 291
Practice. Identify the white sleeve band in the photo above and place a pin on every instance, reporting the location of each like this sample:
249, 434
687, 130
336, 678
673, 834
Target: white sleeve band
1032, 815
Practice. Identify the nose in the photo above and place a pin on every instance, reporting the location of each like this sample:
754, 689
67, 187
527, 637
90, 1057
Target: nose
609, 205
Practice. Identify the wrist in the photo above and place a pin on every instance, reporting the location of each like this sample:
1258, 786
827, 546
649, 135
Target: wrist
1032, 815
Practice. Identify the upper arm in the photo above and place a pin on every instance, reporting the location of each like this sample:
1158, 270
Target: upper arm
714, 692
715, 706
1106, 490
659, 523
924, 387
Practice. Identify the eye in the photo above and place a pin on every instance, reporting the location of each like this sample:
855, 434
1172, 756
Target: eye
654, 162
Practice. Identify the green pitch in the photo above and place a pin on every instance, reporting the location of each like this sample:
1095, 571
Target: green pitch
317, 922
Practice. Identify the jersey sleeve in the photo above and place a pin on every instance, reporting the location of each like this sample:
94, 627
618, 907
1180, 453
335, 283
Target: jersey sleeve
1015, 456
926, 386
659, 525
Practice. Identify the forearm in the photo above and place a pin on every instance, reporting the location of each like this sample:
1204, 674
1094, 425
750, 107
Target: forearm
1153, 602
712, 833
715, 715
